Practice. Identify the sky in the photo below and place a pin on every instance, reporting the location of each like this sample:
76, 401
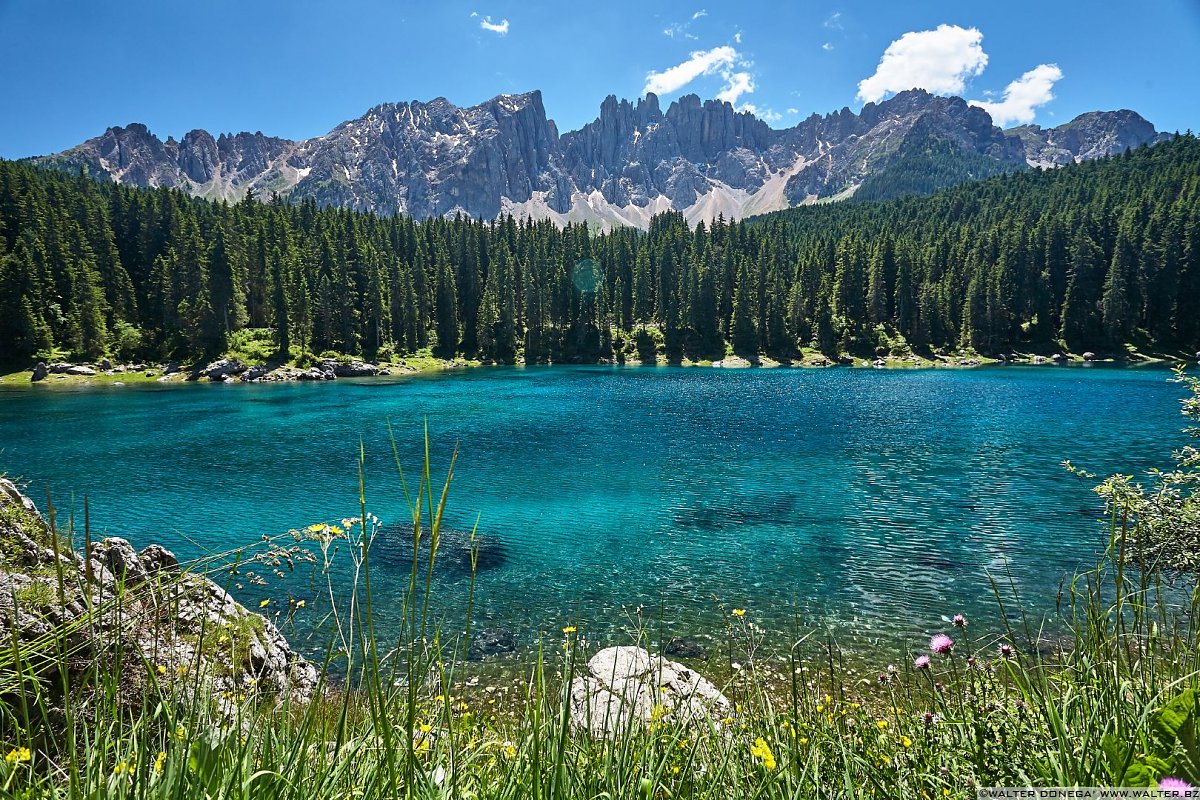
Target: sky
297, 68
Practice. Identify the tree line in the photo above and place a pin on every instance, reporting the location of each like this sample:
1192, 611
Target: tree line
1092, 256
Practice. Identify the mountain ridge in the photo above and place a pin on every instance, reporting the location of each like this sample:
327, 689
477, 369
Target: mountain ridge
505, 155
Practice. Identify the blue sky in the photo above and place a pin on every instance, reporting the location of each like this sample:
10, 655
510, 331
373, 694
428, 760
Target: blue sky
296, 68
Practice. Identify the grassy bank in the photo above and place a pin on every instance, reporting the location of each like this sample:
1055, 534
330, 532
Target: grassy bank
1114, 703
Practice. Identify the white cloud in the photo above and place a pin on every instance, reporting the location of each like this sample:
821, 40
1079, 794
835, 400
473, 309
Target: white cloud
474, 13
1023, 96
702, 62
699, 14
766, 114
738, 84
500, 27
737, 37
793, 111
834, 21
938, 61
827, 46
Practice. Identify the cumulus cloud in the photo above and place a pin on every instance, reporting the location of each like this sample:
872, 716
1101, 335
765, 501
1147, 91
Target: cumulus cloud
737, 84
938, 61
702, 62
834, 21
765, 114
827, 46
500, 27
793, 111
699, 14
1023, 96
737, 37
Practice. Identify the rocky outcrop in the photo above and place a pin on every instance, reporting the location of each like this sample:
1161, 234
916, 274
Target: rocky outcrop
40, 371
627, 686
141, 604
703, 158
218, 371
1095, 134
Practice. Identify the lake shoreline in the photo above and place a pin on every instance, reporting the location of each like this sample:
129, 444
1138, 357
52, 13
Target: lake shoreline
141, 374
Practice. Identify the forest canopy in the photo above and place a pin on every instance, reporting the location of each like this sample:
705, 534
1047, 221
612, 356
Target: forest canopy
1096, 256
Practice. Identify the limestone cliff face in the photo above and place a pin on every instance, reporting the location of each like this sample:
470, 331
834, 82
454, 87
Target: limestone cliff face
506, 156
183, 626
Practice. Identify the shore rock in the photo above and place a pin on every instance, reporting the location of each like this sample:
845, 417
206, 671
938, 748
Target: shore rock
623, 686
218, 370
139, 604
1089, 356
353, 369
39, 372
81, 369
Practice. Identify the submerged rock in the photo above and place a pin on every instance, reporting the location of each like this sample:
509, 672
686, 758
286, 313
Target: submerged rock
491, 642
686, 647
627, 686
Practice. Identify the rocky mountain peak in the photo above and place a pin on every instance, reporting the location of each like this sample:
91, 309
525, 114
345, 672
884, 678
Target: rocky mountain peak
505, 155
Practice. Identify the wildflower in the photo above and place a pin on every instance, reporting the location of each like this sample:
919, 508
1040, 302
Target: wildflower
941, 644
929, 718
265, 603
1006, 651
162, 670
181, 670
17, 756
1173, 787
123, 768
881, 724
971, 661
959, 621
891, 670
905, 741
945, 792
160, 760
510, 751
921, 662
739, 612
884, 678
939, 687
426, 729
570, 629
299, 604
762, 752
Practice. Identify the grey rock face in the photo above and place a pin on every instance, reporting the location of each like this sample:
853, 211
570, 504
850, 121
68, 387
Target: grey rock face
703, 158
1095, 134
40, 371
624, 685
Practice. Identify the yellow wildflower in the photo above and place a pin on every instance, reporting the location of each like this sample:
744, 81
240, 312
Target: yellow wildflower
425, 729
162, 670
570, 629
160, 761
181, 670
907, 742
265, 603
739, 612
123, 768
510, 751
881, 724
299, 604
762, 751
945, 792
18, 755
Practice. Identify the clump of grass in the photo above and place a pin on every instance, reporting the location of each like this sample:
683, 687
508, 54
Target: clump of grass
1114, 703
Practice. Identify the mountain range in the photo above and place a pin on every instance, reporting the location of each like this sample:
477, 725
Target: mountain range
633, 161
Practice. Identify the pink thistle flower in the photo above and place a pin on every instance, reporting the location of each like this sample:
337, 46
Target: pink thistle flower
959, 621
1173, 787
1006, 651
941, 644
921, 662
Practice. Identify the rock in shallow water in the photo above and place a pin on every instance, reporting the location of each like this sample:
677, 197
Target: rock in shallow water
491, 642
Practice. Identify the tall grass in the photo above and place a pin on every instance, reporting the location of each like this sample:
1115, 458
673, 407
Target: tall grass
1110, 703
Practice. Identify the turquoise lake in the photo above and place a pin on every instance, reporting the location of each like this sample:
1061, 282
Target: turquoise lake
871, 502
